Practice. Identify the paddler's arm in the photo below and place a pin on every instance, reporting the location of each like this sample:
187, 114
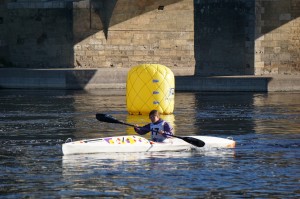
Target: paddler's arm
142, 130
168, 130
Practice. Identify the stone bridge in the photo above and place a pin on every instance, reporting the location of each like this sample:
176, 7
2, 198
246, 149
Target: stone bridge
192, 37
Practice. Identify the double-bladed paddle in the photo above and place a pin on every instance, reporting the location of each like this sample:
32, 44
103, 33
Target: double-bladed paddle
110, 119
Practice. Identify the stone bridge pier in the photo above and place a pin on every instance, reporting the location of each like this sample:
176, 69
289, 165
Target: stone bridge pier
258, 37
194, 38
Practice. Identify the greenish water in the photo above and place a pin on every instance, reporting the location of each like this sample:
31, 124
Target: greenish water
265, 163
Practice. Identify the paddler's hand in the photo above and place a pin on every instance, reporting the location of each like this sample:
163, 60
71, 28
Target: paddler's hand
136, 127
161, 132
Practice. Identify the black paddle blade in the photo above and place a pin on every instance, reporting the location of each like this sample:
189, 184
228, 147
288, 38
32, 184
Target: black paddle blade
110, 119
193, 141
106, 118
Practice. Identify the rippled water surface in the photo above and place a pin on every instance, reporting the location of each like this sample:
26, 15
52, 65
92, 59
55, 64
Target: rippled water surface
265, 163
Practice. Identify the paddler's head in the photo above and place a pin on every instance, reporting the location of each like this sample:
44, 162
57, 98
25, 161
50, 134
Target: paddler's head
154, 116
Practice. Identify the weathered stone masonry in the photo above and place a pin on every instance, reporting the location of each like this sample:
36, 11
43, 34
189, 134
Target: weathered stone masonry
216, 37
224, 37
277, 41
96, 34
36, 34
139, 32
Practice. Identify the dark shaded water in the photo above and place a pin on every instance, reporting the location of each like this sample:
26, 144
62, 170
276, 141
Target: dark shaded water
265, 164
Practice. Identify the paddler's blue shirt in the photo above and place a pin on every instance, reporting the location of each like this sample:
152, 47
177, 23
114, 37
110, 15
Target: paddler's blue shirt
154, 128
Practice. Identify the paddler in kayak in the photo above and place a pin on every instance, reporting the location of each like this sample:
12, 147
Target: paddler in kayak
159, 128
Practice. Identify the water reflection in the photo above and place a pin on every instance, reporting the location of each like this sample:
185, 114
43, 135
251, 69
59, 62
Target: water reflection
224, 113
34, 124
277, 113
35, 114
119, 158
138, 173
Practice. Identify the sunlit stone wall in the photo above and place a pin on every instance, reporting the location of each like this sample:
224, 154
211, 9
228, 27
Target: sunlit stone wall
277, 44
127, 33
216, 37
96, 34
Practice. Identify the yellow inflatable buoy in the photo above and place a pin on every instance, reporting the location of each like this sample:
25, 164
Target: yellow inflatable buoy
148, 87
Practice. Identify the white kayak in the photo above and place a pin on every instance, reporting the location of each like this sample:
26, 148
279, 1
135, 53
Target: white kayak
133, 143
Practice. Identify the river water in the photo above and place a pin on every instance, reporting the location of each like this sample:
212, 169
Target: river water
35, 123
